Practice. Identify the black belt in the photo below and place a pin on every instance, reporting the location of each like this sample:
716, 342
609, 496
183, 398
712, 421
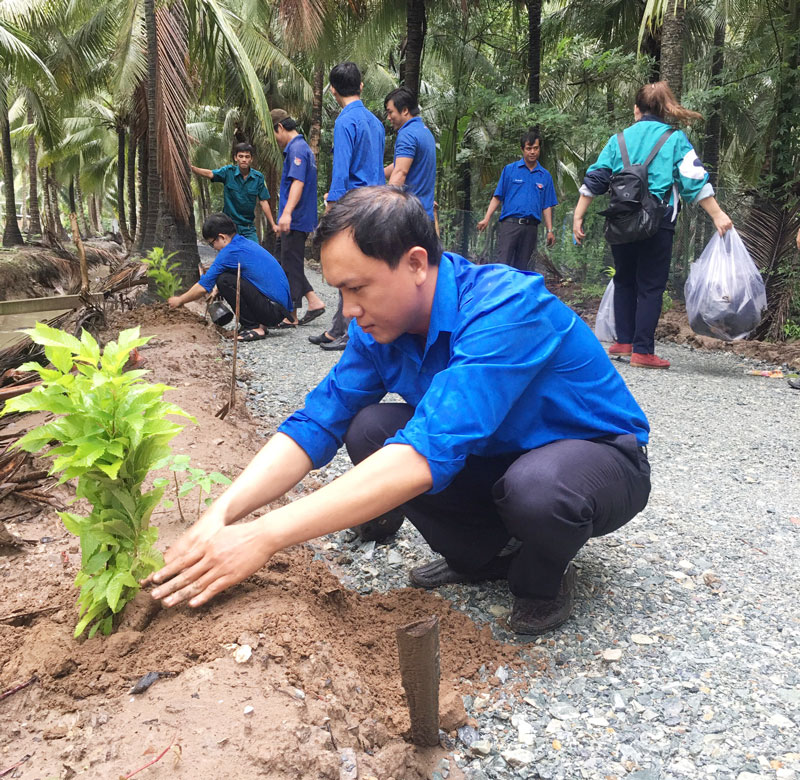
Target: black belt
524, 220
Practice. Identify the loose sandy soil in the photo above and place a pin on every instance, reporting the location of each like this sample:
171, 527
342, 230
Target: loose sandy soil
323, 676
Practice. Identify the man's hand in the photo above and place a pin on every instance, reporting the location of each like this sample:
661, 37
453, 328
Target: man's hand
483, 224
722, 222
551, 237
174, 302
284, 223
577, 230
210, 566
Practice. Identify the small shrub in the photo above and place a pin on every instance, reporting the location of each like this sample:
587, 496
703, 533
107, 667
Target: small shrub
112, 431
162, 272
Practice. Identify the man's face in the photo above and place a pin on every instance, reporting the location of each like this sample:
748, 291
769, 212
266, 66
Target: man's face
396, 119
530, 152
243, 160
280, 136
385, 302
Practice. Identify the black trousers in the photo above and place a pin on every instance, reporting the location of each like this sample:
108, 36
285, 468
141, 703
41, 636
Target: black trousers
254, 307
516, 243
291, 251
642, 271
340, 323
552, 499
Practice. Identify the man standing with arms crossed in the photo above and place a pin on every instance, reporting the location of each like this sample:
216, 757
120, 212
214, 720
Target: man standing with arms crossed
414, 165
297, 215
527, 194
244, 187
358, 142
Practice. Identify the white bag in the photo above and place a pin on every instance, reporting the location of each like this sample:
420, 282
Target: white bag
725, 295
604, 325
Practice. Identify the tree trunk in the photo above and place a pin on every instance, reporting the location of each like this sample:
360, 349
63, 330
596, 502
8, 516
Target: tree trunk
672, 34
123, 223
132, 183
93, 214
144, 201
316, 109
714, 122
153, 185
415, 38
71, 196
11, 232
534, 49
87, 229
59, 230
35, 227
49, 222
466, 207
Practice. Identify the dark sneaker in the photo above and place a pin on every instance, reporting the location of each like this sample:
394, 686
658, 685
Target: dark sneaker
337, 345
538, 616
438, 572
381, 527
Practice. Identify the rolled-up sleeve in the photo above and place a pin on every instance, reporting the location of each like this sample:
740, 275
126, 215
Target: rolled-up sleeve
488, 372
350, 386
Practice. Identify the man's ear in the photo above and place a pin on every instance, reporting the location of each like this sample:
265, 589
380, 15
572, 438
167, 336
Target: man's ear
417, 261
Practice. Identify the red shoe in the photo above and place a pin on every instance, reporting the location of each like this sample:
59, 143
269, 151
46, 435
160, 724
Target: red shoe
648, 361
620, 349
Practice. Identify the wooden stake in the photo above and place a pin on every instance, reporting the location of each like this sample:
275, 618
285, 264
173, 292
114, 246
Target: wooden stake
418, 646
76, 237
235, 336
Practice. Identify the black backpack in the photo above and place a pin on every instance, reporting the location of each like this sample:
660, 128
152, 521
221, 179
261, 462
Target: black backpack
633, 212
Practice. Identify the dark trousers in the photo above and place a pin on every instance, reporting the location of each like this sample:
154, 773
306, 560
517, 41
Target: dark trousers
516, 243
254, 307
552, 499
642, 270
291, 251
340, 322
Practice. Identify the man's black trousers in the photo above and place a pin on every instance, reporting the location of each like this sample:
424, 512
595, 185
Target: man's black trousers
254, 307
640, 278
552, 499
291, 251
516, 243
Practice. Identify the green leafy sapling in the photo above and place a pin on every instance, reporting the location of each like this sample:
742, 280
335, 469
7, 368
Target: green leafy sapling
163, 272
112, 430
194, 478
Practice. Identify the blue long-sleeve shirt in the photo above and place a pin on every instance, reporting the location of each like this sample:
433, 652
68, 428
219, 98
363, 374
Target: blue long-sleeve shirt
358, 141
506, 367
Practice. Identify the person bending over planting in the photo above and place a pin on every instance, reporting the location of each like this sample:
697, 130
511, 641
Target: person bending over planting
517, 442
264, 289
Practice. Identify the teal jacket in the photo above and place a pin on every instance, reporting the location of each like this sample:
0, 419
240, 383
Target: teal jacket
676, 168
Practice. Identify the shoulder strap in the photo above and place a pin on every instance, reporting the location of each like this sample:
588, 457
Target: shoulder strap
623, 150
659, 143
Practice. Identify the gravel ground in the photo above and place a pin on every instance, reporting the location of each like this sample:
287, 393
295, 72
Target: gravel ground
682, 659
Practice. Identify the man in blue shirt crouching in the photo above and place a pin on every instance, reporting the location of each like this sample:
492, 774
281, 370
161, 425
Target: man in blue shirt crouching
264, 297
517, 442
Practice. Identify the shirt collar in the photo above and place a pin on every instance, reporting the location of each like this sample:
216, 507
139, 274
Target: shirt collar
289, 145
353, 105
409, 121
521, 164
653, 118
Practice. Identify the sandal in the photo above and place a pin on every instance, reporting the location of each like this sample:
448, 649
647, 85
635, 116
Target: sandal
283, 325
251, 335
311, 315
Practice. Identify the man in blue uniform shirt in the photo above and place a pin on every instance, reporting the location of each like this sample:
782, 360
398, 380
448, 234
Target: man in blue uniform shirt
414, 165
527, 195
358, 142
517, 441
264, 298
243, 189
297, 215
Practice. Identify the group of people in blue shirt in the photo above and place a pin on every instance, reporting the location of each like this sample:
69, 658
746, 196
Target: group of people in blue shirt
516, 439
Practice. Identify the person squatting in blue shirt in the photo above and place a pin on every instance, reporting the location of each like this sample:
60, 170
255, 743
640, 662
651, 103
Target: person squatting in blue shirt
264, 298
516, 442
527, 195
297, 215
243, 189
358, 144
414, 164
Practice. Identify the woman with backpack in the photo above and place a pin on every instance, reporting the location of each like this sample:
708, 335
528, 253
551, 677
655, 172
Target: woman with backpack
646, 167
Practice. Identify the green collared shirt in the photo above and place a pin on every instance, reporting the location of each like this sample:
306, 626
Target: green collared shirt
241, 195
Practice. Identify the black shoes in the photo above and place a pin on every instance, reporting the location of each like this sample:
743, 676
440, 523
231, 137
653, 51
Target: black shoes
538, 616
380, 528
438, 572
337, 345
323, 338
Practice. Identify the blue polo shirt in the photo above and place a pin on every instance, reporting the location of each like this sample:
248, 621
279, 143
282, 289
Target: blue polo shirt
358, 141
525, 193
299, 164
506, 367
241, 195
259, 268
414, 140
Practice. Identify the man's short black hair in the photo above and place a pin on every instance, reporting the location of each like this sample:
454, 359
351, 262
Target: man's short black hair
287, 124
403, 98
242, 148
217, 225
385, 223
530, 136
345, 78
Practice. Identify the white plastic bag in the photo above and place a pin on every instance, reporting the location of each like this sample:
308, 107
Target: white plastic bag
604, 325
725, 295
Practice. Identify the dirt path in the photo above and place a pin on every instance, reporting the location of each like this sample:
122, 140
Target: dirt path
320, 686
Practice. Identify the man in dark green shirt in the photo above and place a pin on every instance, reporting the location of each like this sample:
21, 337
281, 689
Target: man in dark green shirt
244, 187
